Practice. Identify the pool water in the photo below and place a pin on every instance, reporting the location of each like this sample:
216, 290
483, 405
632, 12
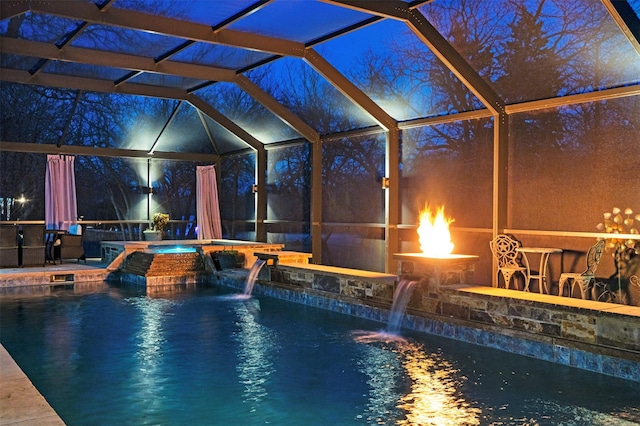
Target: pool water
172, 249
116, 357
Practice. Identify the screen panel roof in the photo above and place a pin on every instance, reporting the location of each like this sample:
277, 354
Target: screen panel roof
224, 62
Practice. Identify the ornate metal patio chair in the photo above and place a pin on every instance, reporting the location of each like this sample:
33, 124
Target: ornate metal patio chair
504, 247
583, 279
634, 290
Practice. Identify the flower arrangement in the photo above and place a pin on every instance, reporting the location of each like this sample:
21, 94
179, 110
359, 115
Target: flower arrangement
616, 223
620, 225
160, 220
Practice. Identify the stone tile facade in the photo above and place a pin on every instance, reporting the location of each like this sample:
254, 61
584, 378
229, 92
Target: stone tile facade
435, 271
341, 282
594, 336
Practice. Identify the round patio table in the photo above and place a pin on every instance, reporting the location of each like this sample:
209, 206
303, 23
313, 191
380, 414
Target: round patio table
541, 276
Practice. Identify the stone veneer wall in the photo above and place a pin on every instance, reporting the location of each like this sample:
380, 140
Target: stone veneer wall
590, 339
583, 336
580, 321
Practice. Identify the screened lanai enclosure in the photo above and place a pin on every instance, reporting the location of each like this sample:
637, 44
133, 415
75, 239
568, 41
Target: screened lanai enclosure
331, 123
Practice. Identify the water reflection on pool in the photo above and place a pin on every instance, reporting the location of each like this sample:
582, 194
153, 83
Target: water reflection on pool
206, 358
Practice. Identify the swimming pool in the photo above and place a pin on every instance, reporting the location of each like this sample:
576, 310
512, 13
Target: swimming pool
201, 357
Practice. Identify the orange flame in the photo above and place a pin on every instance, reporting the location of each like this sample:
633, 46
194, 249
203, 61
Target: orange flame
433, 233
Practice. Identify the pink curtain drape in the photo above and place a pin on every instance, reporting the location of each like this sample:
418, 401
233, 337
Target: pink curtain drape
60, 204
207, 205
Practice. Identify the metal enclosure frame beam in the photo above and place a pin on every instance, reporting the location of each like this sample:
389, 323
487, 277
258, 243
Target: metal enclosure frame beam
225, 122
348, 89
392, 199
445, 52
51, 148
114, 60
626, 19
269, 102
88, 12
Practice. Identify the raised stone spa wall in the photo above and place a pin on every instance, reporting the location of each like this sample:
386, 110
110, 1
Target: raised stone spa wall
245, 251
156, 271
582, 334
113, 252
138, 263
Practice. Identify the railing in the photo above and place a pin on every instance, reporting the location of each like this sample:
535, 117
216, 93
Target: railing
125, 230
121, 230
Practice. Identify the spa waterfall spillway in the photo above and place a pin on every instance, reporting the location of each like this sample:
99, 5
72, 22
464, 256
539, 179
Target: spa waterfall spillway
159, 268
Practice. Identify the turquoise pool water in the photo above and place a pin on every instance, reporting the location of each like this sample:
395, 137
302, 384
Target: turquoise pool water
172, 249
203, 358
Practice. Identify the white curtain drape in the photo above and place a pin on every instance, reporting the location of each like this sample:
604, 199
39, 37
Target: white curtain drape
207, 205
60, 204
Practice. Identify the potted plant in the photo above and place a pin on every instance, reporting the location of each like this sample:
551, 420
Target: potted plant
158, 224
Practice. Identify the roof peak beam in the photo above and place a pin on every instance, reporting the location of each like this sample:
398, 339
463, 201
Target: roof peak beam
440, 47
114, 60
225, 122
166, 124
212, 140
85, 11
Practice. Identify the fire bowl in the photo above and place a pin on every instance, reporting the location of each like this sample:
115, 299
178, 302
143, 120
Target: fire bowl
451, 269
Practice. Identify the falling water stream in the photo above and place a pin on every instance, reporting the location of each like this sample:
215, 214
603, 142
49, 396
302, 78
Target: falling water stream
401, 297
400, 300
249, 283
253, 275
